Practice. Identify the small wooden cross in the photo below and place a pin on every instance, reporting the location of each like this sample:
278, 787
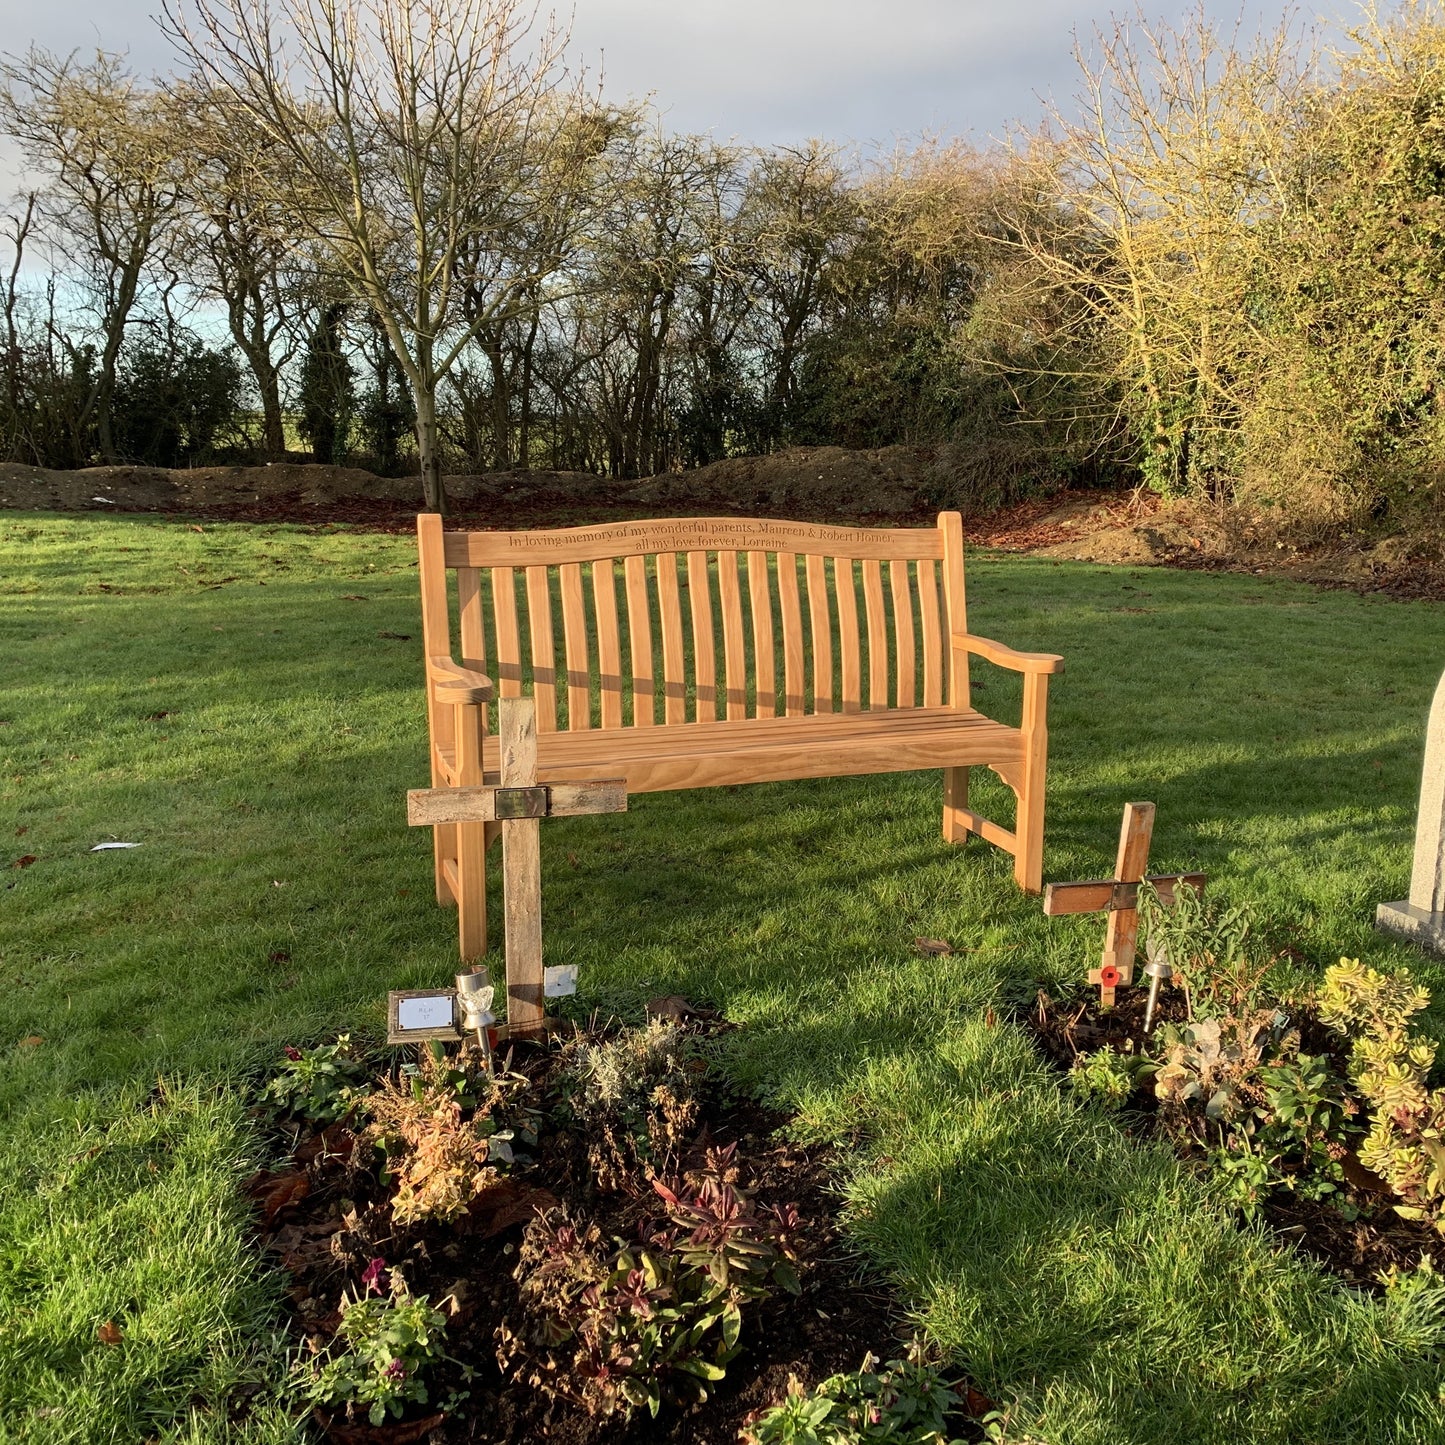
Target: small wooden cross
518, 803
1119, 897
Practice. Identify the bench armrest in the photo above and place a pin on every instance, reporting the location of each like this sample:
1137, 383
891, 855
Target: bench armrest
1002, 656
457, 684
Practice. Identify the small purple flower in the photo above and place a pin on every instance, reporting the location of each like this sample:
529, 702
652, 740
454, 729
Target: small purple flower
292, 1053
371, 1275
396, 1370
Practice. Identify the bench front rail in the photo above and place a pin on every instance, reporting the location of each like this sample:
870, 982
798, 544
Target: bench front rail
700, 652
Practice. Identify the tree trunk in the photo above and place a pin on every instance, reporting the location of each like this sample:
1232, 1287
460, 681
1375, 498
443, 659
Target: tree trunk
273, 423
433, 488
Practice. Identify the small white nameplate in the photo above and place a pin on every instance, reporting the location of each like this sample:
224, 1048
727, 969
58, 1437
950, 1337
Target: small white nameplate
424, 1013
415, 1014
559, 982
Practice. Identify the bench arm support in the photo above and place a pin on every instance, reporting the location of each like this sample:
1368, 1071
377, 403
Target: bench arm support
454, 684
1001, 656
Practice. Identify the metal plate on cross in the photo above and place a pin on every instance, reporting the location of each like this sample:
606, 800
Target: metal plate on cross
559, 982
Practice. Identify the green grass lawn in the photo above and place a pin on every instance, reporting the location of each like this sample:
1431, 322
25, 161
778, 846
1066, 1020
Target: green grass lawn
257, 736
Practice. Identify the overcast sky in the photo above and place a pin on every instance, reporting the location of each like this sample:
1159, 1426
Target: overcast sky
766, 71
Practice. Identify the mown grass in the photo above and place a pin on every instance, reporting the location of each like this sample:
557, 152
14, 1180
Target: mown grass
1087, 1284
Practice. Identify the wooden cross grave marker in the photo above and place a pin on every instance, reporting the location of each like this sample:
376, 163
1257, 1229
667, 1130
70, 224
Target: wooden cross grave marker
1119, 897
518, 803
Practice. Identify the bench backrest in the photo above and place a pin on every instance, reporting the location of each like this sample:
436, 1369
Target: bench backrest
701, 618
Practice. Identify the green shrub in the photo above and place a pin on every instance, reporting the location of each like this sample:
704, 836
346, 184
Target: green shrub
320, 1084
642, 1325
387, 1343
1406, 1142
1106, 1077
905, 1402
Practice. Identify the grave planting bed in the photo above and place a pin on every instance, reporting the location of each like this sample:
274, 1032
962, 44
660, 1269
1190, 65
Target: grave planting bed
326, 1214
1354, 1231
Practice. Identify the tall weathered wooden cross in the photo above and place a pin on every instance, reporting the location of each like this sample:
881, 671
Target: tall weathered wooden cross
518, 803
1119, 896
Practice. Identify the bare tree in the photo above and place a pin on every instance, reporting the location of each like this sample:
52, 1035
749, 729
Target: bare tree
404, 137
107, 148
237, 249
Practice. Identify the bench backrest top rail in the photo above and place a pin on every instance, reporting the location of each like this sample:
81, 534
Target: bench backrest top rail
689, 534
702, 618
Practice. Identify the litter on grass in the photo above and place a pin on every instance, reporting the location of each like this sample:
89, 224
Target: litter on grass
106, 847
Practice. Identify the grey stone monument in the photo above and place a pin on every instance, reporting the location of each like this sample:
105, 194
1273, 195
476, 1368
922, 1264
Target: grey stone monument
1421, 917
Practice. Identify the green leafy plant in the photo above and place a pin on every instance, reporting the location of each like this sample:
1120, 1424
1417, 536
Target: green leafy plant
1243, 1174
646, 1324
635, 1097
905, 1402
387, 1342
1389, 1066
319, 1084
1107, 1077
1205, 946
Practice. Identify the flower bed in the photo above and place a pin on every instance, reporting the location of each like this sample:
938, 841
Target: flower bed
592, 1242
1312, 1113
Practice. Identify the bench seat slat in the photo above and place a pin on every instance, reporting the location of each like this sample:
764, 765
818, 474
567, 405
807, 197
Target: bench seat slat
706, 754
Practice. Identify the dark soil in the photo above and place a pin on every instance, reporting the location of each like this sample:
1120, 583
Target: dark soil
324, 1216
1357, 1242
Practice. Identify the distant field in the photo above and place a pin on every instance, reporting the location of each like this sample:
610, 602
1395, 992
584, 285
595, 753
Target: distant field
229, 698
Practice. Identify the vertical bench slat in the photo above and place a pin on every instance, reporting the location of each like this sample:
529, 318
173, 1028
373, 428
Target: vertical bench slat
509, 638
543, 647
469, 610
820, 624
760, 604
704, 652
955, 607
792, 617
669, 606
932, 635
850, 653
574, 635
907, 688
639, 642
609, 644
877, 633
734, 659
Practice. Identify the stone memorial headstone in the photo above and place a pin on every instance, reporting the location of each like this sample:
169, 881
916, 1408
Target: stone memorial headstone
1420, 918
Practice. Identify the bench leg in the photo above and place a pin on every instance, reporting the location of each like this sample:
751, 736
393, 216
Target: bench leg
472, 889
1029, 829
955, 800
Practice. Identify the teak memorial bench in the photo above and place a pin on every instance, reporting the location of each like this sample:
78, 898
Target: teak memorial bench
865, 630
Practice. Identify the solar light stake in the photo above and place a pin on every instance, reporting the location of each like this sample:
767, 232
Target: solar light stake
474, 1002
1159, 971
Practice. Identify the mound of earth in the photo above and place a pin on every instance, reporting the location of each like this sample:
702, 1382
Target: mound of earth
810, 483
889, 486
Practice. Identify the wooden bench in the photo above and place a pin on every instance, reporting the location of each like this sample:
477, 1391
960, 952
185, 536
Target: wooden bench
674, 639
